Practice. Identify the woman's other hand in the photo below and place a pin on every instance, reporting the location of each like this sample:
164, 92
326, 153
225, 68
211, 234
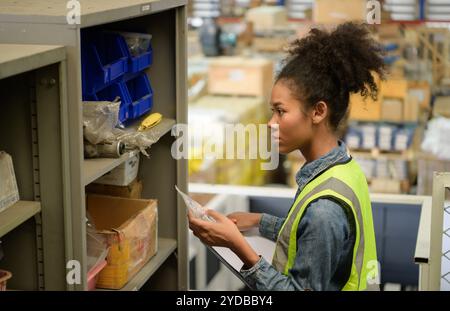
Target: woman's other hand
245, 221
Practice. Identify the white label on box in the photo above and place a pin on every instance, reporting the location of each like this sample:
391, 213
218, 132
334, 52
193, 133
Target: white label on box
236, 75
145, 8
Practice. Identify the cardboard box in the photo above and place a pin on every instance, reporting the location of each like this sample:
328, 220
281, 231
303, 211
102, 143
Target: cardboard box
411, 109
336, 12
9, 193
442, 106
122, 175
132, 191
365, 109
130, 228
266, 18
240, 76
392, 110
269, 44
394, 88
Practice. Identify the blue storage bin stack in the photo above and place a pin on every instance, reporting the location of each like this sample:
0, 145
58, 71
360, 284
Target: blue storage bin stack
112, 66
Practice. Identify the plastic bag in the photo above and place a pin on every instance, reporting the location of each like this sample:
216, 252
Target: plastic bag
437, 138
99, 121
140, 140
138, 43
97, 248
197, 210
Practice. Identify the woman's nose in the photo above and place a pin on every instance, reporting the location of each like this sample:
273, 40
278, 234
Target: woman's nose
271, 122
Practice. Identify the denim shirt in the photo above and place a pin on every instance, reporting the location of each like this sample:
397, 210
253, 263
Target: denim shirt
325, 239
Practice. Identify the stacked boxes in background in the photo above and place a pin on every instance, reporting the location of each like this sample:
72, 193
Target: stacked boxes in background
383, 137
113, 65
240, 76
218, 112
335, 12
396, 102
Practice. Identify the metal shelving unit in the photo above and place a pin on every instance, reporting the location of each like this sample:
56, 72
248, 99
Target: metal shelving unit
45, 22
33, 132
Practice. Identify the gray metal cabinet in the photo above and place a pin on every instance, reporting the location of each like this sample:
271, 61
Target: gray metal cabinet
45, 22
33, 131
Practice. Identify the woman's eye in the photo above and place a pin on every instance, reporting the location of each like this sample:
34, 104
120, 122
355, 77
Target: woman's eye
278, 111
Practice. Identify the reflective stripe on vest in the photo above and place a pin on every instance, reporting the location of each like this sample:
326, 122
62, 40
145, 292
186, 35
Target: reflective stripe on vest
347, 184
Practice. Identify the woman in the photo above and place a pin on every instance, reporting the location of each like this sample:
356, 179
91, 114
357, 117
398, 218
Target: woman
327, 240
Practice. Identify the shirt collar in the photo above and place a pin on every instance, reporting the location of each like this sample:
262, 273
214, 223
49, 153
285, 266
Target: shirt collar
310, 170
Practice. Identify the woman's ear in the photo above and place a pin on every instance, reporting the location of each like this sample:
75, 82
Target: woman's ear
319, 112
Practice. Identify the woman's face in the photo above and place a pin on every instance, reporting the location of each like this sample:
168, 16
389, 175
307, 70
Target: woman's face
294, 126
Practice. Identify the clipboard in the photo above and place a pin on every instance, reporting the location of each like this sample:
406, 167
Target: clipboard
261, 245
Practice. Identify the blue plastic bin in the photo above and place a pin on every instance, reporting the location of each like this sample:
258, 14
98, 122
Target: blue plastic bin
104, 59
110, 93
140, 58
141, 95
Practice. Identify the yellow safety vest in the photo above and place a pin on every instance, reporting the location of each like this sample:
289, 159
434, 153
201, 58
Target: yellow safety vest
346, 183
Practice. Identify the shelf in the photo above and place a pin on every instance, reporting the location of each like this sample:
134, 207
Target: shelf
95, 168
93, 12
165, 248
17, 214
19, 58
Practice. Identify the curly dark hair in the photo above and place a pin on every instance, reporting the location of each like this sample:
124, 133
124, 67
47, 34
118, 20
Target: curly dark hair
329, 66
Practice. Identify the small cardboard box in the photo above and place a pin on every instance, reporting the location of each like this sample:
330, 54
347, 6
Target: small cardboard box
240, 76
130, 228
365, 109
411, 109
132, 191
336, 12
122, 175
394, 88
9, 193
442, 106
392, 110
266, 18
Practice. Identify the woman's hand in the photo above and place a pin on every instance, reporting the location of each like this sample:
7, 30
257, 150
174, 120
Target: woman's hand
245, 221
225, 233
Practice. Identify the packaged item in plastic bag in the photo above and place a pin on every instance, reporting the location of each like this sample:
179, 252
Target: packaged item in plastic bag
9, 193
138, 43
99, 121
197, 210
97, 251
